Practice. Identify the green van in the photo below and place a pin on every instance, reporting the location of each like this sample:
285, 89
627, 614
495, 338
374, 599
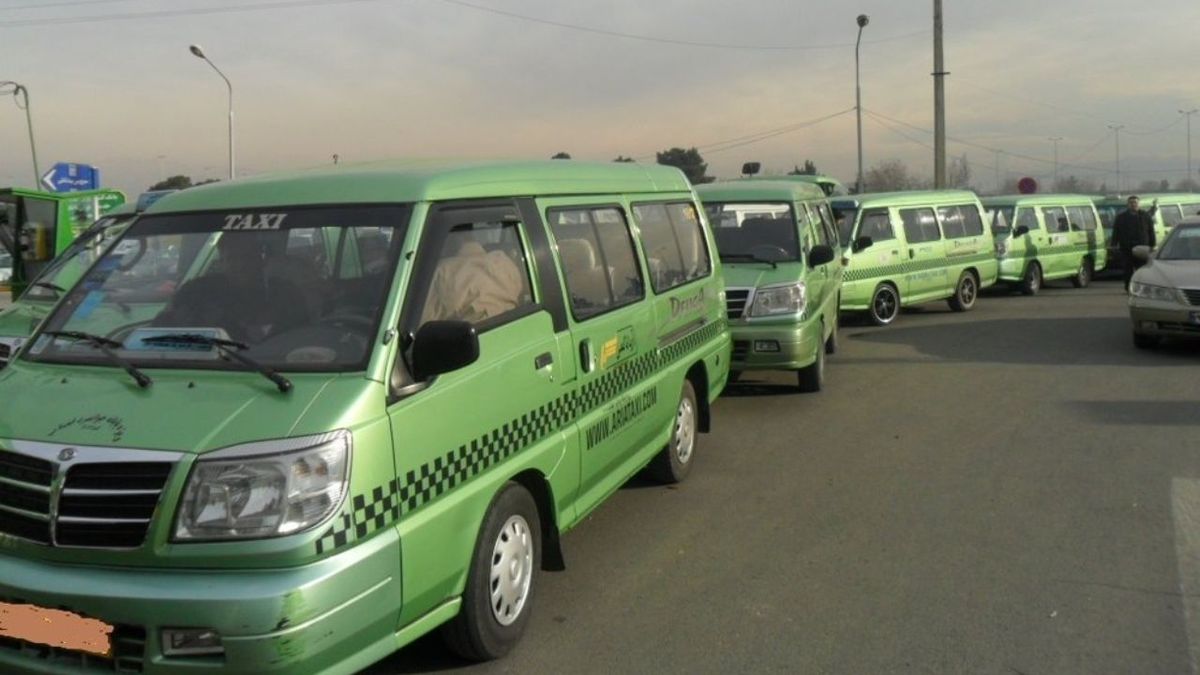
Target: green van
1046, 237
906, 248
366, 404
783, 274
18, 320
1173, 207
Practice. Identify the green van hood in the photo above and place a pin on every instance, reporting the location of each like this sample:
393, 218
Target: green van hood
19, 319
756, 275
184, 411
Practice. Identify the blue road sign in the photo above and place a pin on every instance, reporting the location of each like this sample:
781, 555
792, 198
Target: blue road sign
69, 177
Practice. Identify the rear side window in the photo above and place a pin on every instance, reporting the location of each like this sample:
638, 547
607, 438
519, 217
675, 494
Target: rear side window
877, 225
596, 251
831, 233
920, 225
673, 239
1191, 210
1056, 219
1082, 219
1027, 218
1171, 215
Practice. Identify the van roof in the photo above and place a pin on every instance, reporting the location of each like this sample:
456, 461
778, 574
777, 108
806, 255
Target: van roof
747, 189
907, 198
426, 180
1147, 197
1063, 199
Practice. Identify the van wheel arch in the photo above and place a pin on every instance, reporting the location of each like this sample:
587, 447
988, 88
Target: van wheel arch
543, 496
698, 375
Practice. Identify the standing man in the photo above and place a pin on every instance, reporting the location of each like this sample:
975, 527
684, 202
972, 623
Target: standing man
1133, 227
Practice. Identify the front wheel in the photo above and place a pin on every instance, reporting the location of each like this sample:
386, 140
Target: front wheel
1032, 283
811, 379
674, 462
1083, 276
831, 345
501, 581
965, 293
885, 304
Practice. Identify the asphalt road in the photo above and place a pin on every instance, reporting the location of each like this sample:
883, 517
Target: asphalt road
1009, 490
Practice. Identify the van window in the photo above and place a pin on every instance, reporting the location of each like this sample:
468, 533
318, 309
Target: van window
482, 271
1171, 214
673, 239
844, 215
1191, 210
760, 231
960, 221
1056, 219
920, 225
1027, 218
877, 225
831, 234
1082, 219
596, 251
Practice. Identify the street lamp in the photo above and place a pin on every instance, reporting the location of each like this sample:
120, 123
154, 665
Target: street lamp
199, 53
863, 20
20, 92
1055, 140
1116, 129
1188, 114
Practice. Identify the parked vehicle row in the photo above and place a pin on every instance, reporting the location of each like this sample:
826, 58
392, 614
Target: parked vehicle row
1046, 237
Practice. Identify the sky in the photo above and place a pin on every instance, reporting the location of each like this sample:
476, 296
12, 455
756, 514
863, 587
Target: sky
754, 80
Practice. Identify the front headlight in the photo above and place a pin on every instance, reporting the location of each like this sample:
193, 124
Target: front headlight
1156, 293
779, 300
266, 489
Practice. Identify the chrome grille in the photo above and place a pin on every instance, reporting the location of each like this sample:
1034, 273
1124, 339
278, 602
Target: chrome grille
83, 504
736, 300
1192, 295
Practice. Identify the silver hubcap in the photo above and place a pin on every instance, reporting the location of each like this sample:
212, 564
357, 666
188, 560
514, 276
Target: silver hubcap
968, 291
512, 570
885, 305
685, 431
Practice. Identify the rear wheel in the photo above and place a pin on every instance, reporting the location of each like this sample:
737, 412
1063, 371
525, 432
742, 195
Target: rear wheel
501, 581
1032, 283
673, 463
1143, 341
965, 293
1083, 276
885, 304
811, 379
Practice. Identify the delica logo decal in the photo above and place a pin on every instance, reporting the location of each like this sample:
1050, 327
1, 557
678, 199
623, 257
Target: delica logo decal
621, 416
617, 349
254, 221
690, 304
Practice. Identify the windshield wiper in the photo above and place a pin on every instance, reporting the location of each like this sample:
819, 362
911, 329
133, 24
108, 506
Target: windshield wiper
751, 258
105, 345
230, 348
52, 287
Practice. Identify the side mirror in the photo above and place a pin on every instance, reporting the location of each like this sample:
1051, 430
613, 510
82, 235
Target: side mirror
820, 255
443, 347
1142, 253
1021, 231
861, 243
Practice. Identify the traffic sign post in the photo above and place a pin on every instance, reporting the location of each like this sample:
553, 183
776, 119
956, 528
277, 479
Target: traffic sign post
70, 177
1027, 186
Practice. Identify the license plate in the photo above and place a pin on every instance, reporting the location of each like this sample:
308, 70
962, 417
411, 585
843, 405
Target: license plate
55, 628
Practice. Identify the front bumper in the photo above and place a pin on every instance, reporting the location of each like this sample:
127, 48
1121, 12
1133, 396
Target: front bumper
797, 345
1164, 319
333, 616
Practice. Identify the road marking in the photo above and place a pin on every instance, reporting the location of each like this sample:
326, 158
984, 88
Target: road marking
1185, 509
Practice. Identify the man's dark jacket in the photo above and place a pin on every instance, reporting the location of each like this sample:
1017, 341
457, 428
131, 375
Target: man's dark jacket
1134, 229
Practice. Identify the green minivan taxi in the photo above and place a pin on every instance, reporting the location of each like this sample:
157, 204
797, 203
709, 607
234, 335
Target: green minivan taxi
365, 405
1042, 238
1173, 207
783, 274
907, 248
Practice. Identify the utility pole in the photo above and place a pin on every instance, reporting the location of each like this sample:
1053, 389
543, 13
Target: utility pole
1188, 115
1055, 140
1117, 130
862, 20
939, 100
999, 185
19, 92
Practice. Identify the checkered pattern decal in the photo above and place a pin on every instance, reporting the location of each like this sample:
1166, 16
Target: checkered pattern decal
385, 504
873, 272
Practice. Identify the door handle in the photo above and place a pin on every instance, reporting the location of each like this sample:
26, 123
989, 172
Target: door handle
543, 361
912, 253
587, 359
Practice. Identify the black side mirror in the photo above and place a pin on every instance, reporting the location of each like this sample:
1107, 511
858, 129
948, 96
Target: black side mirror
862, 243
1020, 231
443, 347
819, 255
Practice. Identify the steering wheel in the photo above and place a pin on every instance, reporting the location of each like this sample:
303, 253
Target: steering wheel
769, 252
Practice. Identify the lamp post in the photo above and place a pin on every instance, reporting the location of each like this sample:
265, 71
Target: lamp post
199, 53
1188, 114
863, 20
20, 92
1116, 129
1055, 140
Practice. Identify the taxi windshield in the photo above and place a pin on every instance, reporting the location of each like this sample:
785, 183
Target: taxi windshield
754, 231
298, 289
68, 267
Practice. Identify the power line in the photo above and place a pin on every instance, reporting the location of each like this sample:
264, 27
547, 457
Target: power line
895, 130
749, 139
171, 13
49, 5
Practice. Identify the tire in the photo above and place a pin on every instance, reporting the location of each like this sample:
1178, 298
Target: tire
488, 626
966, 292
1032, 283
831, 345
1143, 341
885, 305
674, 462
734, 376
1083, 276
811, 379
